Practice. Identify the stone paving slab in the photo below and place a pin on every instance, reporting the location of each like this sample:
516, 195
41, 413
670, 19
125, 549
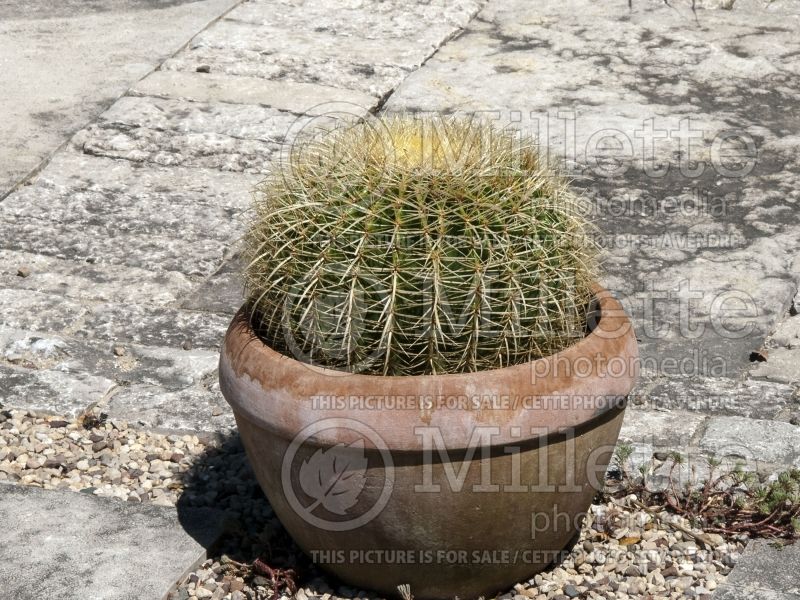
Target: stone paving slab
52, 391
657, 63
62, 375
112, 323
200, 410
74, 173
749, 421
302, 48
782, 365
154, 326
198, 257
174, 132
724, 397
143, 200
288, 96
94, 191
94, 244
32, 311
782, 362
85, 208
761, 445
371, 19
764, 573
91, 281
222, 293
674, 430
166, 367
364, 77
755, 441
290, 45
126, 363
74, 545
65, 62
708, 286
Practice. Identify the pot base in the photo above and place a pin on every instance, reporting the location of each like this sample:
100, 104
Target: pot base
467, 542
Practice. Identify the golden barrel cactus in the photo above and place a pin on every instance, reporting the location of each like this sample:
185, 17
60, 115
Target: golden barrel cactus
408, 246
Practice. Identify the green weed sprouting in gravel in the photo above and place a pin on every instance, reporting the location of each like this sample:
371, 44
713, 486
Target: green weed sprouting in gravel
410, 246
730, 501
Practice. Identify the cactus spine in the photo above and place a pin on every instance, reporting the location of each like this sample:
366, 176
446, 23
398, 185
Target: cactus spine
410, 246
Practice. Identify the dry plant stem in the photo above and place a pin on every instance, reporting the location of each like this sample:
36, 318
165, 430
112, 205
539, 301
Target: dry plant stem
731, 503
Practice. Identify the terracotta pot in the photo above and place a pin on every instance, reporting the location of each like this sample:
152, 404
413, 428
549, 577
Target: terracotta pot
458, 485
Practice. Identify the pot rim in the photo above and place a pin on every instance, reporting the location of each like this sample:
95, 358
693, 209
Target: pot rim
277, 391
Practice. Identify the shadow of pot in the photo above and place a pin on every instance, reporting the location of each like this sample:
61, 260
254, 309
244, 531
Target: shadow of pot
457, 485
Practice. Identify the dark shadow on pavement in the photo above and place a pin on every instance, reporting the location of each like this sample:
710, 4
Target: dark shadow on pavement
221, 480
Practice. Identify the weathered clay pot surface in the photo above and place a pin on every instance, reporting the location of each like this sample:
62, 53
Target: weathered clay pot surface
458, 485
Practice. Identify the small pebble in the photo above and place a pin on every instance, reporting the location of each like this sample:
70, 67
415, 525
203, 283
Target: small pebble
571, 591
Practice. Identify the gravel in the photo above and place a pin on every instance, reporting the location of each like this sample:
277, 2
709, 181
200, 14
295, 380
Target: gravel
108, 459
623, 551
